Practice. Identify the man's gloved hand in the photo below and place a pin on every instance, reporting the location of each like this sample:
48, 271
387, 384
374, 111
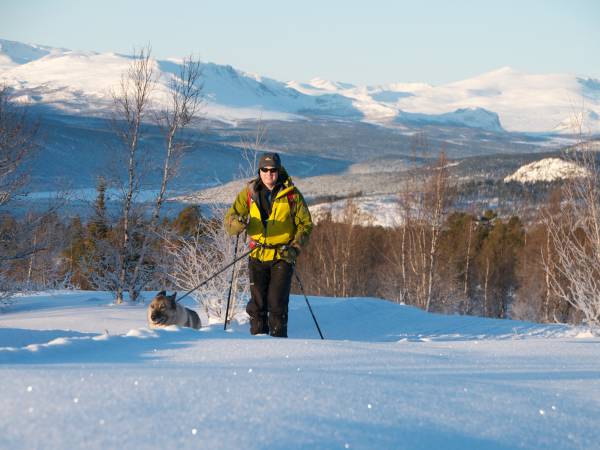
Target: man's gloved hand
290, 253
235, 224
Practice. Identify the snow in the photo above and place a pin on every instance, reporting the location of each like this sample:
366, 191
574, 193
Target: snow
80, 82
373, 210
15, 53
317, 85
79, 371
547, 169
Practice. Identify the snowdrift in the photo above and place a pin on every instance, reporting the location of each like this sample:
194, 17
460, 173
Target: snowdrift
78, 371
85, 327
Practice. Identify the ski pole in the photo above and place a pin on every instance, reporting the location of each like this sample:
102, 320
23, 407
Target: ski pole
309, 308
222, 269
237, 239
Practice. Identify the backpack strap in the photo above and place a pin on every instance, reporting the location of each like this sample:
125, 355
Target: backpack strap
292, 202
249, 201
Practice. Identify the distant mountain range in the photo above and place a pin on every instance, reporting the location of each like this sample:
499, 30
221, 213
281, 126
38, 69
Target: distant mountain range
79, 83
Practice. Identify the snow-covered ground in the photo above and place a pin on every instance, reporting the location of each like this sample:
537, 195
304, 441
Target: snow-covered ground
78, 371
373, 210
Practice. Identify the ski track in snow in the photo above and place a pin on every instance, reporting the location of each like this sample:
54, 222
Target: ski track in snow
78, 371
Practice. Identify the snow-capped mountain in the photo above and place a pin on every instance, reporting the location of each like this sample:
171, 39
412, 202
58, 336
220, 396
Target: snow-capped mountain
516, 100
547, 169
15, 53
81, 82
504, 99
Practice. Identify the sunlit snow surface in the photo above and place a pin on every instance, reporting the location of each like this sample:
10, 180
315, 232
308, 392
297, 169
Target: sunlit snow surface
80, 372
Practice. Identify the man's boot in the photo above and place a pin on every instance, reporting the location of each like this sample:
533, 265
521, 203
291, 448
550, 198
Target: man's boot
278, 325
259, 324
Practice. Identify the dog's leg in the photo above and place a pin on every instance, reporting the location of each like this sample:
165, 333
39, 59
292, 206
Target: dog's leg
194, 320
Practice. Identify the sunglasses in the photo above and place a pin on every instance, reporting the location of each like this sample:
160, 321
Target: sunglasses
268, 169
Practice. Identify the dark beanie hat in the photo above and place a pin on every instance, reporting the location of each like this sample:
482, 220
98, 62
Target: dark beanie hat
269, 160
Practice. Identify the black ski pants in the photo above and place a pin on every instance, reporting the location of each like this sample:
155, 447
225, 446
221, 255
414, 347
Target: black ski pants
270, 283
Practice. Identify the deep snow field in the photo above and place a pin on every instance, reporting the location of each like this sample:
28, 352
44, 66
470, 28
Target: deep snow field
80, 372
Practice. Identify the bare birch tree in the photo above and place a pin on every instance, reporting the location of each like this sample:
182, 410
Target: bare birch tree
184, 101
437, 200
430, 201
132, 103
424, 210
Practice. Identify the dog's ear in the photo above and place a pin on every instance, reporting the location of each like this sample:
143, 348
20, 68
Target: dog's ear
162, 294
172, 297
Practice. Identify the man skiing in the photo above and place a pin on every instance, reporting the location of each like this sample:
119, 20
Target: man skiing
275, 216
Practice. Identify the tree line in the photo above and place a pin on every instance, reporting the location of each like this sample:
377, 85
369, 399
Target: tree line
481, 265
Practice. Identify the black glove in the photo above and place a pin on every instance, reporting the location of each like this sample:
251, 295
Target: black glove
290, 253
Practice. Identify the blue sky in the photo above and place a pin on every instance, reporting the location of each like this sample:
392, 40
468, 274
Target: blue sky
362, 42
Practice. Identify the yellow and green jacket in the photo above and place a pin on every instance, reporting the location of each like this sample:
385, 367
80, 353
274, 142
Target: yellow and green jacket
282, 227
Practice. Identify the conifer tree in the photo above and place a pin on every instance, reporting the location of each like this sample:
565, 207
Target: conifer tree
98, 227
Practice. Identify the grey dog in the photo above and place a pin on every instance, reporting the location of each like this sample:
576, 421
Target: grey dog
164, 311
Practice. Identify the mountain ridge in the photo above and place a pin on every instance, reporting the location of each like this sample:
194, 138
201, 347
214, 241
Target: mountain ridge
502, 99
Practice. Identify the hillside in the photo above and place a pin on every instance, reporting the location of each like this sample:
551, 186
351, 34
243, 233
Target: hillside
547, 169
